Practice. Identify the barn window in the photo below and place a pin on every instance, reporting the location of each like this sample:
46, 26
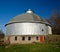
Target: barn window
15, 37
42, 30
29, 38
23, 38
37, 38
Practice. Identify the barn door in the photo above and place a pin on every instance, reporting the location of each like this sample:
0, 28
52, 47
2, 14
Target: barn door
41, 39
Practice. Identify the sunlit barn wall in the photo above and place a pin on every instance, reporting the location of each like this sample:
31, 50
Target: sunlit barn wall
26, 29
49, 30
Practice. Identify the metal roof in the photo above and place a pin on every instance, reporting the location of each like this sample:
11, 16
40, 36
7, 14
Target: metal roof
29, 16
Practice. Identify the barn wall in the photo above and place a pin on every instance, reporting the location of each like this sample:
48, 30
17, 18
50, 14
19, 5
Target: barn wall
20, 41
49, 30
26, 29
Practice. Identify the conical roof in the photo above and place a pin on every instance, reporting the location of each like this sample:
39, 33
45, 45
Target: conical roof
29, 16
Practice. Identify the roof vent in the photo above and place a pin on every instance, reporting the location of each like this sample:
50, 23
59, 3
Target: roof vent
29, 11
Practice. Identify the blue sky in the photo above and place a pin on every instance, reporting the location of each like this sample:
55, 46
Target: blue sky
11, 8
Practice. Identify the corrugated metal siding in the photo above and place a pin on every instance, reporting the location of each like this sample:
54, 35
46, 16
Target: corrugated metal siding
26, 29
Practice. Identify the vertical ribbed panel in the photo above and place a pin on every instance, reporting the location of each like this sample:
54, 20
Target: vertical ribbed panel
26, 29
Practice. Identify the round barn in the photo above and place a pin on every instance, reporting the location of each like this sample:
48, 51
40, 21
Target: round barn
27, 28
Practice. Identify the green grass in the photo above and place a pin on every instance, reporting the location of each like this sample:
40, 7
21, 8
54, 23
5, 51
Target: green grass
46, 47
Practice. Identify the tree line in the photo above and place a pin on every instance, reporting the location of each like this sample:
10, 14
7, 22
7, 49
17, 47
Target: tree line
1, 34
54, 20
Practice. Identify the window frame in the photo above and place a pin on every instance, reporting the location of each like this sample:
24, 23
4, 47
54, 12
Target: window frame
15, 38
23, 38
29, 38
37, 38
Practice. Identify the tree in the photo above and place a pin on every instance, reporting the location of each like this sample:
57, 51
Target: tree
54, 20
1, 34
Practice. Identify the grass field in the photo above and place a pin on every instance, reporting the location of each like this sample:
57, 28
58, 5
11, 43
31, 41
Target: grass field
46, 47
